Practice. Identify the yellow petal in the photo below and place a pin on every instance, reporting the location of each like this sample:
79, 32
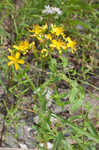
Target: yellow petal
10, 50
60, 52
16, 66
14, 46
26, 42
30, 30
17, 55
11, 58
10, 63
20, 61
44, 27
52, 45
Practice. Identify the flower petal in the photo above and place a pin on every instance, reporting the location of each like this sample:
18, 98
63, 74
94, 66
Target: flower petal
14, 46
17, 55
11, 58
10, 63
16, 66
20, 61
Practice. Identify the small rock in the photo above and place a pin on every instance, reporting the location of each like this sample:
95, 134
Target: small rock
49, 103
58, 109
11, 141
36, 119
20, 133
49, 93
48, 97
30, 117
23, 146
53, 121
49, 145
31, 143
41, 144
27, 130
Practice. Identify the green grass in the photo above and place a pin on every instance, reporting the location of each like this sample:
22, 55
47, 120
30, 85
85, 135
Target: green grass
72, 69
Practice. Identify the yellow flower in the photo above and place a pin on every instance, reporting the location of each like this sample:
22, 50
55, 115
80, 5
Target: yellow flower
36, 29
44, 53
15, 60
22, 47
48, 36
44, 28
71, 44
32, 45
64, 36
58, 44
57, 30
10, 50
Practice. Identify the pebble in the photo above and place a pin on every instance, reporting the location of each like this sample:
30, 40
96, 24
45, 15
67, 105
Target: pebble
20, 133
36, 120
30, 142
58, 109
11, 141
23, 146
49, 146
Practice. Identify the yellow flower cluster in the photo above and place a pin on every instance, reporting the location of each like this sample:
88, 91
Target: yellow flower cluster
15, 59
51, 38
47, 39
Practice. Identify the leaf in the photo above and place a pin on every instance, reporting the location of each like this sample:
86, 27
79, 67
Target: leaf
67, 145
97, 51
53, 65
58, 141
91, 128
4, 33
76, 95
83, 132
79, 130
64, 61
76, 22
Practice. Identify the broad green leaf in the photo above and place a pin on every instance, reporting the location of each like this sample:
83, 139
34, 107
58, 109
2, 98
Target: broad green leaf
76, 95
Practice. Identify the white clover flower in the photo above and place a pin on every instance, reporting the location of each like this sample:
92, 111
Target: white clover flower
47, 10
52, 10
57, 10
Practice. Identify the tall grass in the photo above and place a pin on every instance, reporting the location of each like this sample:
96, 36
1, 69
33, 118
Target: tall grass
38, 77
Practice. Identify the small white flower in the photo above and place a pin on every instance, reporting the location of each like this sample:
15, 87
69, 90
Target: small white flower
52, 10
57, 10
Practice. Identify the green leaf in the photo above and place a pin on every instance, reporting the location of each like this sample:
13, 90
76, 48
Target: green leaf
97, 50
4, 33
64, 61
53, 65
82, 131
76, 95
67, 145
76, 22
58, 141
91, 128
